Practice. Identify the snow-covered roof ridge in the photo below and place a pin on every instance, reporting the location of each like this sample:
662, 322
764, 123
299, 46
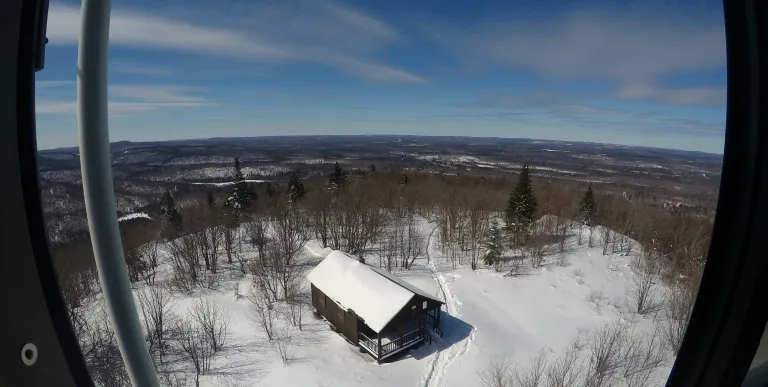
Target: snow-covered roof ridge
374, 296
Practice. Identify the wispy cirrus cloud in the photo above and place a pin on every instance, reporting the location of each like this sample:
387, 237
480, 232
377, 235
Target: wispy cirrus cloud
124, 99
620, 46
156, 93
131, 67
683, 96
287, 32
632, 50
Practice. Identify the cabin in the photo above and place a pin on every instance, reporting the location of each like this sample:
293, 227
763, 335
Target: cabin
374, 310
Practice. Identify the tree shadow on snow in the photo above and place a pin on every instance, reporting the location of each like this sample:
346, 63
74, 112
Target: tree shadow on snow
454, 331
550, 239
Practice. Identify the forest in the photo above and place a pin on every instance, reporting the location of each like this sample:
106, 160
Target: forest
506, 225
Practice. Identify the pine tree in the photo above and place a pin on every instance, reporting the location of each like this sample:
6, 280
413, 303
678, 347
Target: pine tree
587, 207
493, 245
240, 198
403, 180
337, 178
170, 217
521, 206
296, 190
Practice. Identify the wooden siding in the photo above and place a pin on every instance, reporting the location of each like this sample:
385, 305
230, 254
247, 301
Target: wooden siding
345, 322
414, 308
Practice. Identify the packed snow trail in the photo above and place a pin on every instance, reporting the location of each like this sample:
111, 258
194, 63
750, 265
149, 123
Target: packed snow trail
444, 356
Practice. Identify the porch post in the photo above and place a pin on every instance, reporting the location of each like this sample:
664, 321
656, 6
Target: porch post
378, 347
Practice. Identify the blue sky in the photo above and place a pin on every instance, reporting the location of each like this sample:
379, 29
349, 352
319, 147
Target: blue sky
646, 73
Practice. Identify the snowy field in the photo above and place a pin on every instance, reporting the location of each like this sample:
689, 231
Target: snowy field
487, 316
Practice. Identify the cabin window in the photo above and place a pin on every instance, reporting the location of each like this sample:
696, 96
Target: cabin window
424, 305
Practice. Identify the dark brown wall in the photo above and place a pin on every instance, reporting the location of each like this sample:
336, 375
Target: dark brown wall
406, 313
345, 322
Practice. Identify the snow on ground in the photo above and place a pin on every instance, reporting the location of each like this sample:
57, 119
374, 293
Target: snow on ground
487, 316
134, 216
228, 183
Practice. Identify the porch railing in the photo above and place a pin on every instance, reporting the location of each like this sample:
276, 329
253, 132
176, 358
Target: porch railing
368, 343
402, 341
430, 320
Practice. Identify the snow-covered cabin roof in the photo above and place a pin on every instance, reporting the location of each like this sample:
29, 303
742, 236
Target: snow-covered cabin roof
373, 294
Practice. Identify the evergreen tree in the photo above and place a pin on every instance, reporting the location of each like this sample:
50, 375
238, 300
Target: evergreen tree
403, 180
493, 245
240, 198
170, 217
337, 178
296, 190
587, 207
521, 206
372, 168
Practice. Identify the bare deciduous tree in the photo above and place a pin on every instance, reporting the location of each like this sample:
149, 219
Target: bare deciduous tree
185, 263
102, 355
605, 238
195, 347
257, 231
156, 307
283, 345
534, 249
533, 375
604, 349
562, 226
213, 320
411, 242
643, 354
677, 312
264, 312
290, 235
642, 291
498, 373
566, 370
297, 304
231, 241
150, 254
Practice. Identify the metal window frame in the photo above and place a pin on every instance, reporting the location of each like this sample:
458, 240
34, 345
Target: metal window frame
727, 321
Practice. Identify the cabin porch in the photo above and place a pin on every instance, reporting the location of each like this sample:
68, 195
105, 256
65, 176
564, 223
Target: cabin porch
397, 339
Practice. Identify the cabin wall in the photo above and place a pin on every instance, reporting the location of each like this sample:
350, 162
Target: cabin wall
345, 322
409, 312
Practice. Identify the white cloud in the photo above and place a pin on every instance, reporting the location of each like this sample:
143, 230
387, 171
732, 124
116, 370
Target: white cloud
125, 100
621, 46
585, 109
155, 93
53, 84
116, 108
305, 31
129, 67
686, 96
